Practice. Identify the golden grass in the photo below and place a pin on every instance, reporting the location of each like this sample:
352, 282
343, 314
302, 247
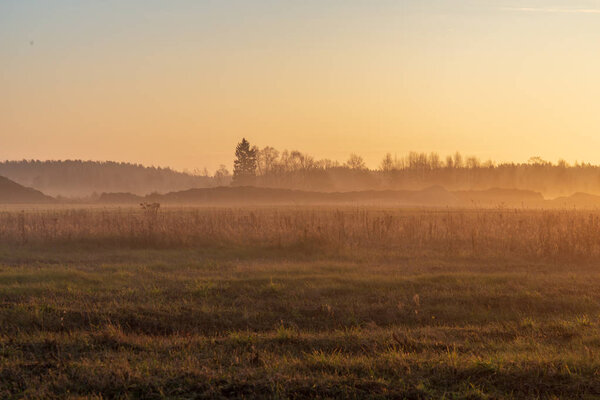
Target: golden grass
548, 234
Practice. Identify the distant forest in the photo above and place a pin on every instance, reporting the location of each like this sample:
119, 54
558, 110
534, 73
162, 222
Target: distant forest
76, 178
414, 171
297, 170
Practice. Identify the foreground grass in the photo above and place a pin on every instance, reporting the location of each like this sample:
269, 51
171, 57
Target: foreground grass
139, 323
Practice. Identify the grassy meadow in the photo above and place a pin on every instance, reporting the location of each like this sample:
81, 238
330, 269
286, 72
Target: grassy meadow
293, 302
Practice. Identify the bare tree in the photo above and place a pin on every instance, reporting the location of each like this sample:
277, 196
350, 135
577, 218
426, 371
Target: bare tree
222, 175
266, 160
387, 164
356, 162
473, 162
458, 160
434, 161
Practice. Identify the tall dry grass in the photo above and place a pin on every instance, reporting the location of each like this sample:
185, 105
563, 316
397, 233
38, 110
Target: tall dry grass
548, 234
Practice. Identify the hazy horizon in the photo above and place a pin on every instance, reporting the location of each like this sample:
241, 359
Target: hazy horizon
376, 165
179, 83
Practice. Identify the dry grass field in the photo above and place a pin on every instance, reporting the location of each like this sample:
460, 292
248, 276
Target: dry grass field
299, 303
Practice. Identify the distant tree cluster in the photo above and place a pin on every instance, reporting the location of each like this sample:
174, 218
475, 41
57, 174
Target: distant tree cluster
76, 178
269, 167
296, 170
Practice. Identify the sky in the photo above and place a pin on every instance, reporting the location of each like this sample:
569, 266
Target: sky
178, 83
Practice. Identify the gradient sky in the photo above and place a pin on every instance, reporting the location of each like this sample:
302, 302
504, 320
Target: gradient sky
177, 83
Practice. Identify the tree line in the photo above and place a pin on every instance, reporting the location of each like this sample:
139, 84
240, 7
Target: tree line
296, 170
269, 167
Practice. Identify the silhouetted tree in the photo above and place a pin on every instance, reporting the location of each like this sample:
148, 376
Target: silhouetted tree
244, 166
473, 163
458, 160
356, 162
435, 161
387, 164
266, 159
221, 175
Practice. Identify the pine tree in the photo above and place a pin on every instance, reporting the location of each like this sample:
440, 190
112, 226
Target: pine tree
244, 166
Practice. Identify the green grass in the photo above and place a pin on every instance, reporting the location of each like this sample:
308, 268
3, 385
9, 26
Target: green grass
208, 323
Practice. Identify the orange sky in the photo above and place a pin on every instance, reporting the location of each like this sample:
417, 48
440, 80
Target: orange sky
178, 83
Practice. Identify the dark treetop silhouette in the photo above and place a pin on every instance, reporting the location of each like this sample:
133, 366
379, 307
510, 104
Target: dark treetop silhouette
244, 165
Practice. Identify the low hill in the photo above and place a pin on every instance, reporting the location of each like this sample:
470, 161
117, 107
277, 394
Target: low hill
577, 200
12, 192
119, 198
76, 178
497, 196
245, 195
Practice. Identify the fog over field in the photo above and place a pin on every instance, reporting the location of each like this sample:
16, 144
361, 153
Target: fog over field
76, 179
